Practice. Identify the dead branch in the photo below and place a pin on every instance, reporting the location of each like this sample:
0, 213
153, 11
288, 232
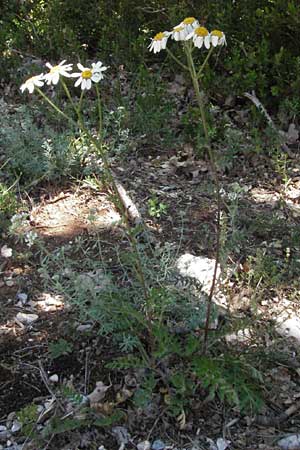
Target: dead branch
130, 207
253, 98
277, 420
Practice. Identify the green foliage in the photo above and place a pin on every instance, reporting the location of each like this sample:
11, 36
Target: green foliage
231, 379
28, 416
34, 152
58, 426
151, 108
60, 348
108, 421
156, 208
8, 202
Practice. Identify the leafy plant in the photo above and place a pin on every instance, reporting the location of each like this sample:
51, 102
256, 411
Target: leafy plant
156, 208
28, 416
60, 348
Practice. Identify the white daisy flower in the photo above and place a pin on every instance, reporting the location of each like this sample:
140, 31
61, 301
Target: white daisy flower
159, 42
217, 37
98, 68
29, 84
200, 36
189, 23
87, 75
56, 71
179, 33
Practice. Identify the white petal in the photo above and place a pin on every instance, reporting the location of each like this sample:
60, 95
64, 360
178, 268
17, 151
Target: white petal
207, 41
55, 78
31, 88
96, 77
88, 83
189, 36
62, 63
75, 75
48, 65
198, 42
78, 82
214, 40
80, 67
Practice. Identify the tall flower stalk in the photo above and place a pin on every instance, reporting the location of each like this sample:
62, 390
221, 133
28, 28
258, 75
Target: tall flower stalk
192, 36
86, 78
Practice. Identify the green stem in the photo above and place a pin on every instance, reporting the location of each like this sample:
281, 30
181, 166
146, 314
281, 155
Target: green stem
205, 62
100, 131
214, 170
176, 59
68, 93
56, 108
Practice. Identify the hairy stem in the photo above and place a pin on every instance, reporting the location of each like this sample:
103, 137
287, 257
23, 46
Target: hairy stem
213, 165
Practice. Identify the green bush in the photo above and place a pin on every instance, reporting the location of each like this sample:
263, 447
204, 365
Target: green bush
32, 151
262, 37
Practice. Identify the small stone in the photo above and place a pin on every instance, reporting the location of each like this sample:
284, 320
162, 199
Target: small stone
291, 442
22, 297
199, 268
4, 435
6, 252
145, 445
27, 319
11, 416
16, 426
9, 283
84, 327
53, 378
158, 445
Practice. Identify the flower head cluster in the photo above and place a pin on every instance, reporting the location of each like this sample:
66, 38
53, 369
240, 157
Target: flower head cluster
188, 29
86, 76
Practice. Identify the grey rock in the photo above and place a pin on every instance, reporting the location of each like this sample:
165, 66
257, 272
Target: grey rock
291, 442
4, 435
16, 426
121, 434
145, 445
22, 297
26, 319
288, 325
199, 268
158, 445
54, 378
84, 327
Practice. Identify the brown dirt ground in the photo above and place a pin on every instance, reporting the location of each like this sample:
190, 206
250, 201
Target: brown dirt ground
61, 216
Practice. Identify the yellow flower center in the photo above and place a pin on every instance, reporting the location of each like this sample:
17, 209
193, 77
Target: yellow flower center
189, 20
217, 33
86, 74
201, 32
177, 29
159, 36
54, 69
